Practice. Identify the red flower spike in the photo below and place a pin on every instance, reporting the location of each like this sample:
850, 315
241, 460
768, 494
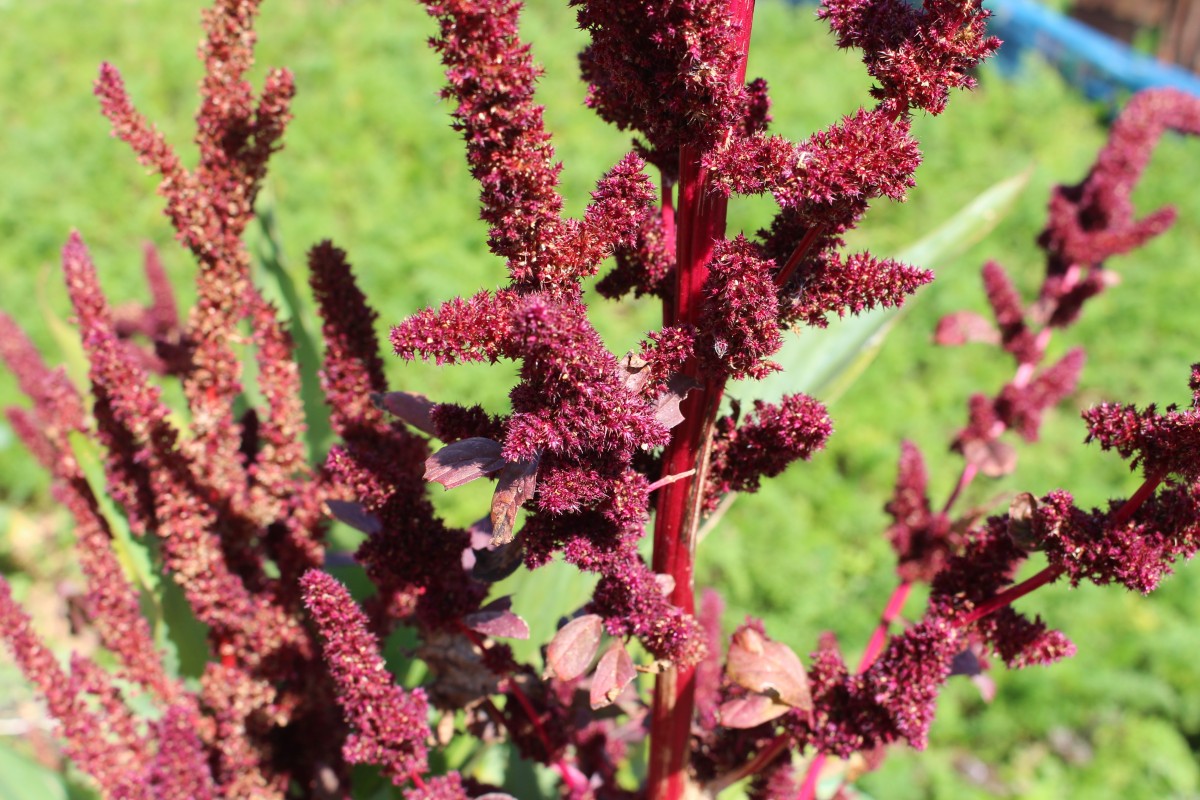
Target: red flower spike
1093, 220
662, 71
917, 55
739, 322
923, 540
858, 283
492, 77
1158, 444
770, 439
643, 267
389, 724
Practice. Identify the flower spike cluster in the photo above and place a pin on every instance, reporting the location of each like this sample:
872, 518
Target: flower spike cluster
594, 449
634, 79
917, 55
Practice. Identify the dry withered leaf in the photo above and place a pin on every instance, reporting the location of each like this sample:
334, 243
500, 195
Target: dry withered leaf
614, 672
994, 459
1021, 515
464, 461
517, 483
768, 668
572, 649
411, 408
633, 372
666, 407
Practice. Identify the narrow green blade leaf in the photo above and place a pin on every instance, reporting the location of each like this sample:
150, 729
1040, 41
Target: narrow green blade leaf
824, 363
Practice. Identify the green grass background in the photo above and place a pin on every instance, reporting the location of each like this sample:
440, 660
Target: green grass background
370, 161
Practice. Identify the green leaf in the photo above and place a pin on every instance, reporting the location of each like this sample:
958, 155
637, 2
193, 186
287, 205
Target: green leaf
22, 778
280, 288
541, 597
133, 555
824, 363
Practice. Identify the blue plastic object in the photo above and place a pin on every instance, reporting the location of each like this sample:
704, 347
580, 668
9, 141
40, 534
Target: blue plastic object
1098, 64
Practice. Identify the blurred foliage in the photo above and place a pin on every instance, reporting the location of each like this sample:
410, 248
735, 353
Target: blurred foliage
371, 162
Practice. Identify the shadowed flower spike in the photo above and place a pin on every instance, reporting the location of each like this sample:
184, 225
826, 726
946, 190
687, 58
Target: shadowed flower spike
353, 368
389, 725
84, 729
180, 768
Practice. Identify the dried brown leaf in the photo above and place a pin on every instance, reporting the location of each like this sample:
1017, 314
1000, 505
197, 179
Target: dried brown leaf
1021, 515
633, 372
666, 407
614, 672
768, 668
517, 483
464, 461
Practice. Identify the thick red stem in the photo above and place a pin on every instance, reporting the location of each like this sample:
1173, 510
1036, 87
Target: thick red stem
699, 224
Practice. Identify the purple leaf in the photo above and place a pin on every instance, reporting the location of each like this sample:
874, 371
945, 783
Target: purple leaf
495, 619
518, 482
494, 564
614, 672
463, 462
572, 649
413, 409
750, 711
768, 668
965, 326
354, 515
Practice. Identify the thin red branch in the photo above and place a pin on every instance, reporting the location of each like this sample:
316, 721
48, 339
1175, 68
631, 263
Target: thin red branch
891, 611
802, 249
